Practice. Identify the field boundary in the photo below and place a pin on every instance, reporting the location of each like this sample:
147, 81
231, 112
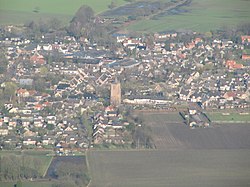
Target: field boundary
45, 172
244, 122
88, 167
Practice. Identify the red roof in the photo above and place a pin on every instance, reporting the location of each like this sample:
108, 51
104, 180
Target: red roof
229, 94
109, 108
21, 91
32, 92
197, 40
231, 64
38, 107
245, 57
46, 104
37, 59
245, 38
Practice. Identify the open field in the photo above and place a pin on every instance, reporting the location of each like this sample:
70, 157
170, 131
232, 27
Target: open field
41, 155
167, 117
16, 11
200, 15
171, 168
229, 117
216, 156
28, 184
168, 132
57, 161
41, 169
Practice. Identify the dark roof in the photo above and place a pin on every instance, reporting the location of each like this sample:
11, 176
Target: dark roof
62, 86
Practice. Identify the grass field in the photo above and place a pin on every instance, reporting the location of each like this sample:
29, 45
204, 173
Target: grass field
163, 117
41, 155
201, 15
170, 168
232, 117
21, 11
28, 184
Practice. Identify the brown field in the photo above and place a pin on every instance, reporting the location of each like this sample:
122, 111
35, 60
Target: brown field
218, 156
167, 134
170, 168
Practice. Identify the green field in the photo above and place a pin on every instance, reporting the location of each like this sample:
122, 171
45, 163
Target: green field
40, 155
232, 117
171, 168
171, 117
28, 184
21, 11
202, 15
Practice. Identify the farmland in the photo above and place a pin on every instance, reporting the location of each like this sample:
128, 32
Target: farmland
29, 184
52, 172
173, 168
16, 11
41, 155
216, 156
200, 15
230, 117
168, 133
30, 158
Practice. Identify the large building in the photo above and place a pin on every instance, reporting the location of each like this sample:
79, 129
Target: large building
115, 96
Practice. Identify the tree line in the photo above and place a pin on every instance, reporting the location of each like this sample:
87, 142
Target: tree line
14, 167
83, 24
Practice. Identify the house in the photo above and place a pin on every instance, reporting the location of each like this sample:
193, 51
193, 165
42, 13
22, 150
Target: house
37, 59
245, 39
51, 120
231, 64
48, 140
4, 131
38, 107
38, 123
22, 93
229, 95
245, 57
29, 141
26, 82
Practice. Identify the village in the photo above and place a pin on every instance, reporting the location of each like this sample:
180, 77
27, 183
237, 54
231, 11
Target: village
70, 94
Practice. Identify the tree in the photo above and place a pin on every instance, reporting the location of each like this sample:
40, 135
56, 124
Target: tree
43, 70
82, 18
50, 127
54, 24
3, 63
9, 90
40, 84
112, 5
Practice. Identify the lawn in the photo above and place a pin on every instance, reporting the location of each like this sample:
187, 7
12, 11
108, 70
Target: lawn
21, 11
228, 117
201, 15
172, 168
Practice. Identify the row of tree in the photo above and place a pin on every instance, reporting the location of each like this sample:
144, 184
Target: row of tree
19, 167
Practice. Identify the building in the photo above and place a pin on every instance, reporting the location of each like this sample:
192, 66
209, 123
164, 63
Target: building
115, 96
